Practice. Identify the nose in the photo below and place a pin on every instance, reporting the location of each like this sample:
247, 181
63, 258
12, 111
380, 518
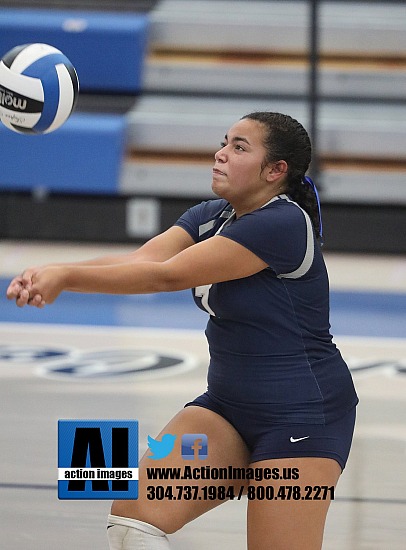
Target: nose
221, 155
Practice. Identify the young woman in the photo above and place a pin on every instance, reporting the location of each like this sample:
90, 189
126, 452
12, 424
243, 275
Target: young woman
280, 397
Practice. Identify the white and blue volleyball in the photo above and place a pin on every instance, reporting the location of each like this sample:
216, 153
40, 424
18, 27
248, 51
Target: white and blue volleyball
38, 89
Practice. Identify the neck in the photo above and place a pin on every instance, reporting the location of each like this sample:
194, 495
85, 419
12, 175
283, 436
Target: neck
247, 208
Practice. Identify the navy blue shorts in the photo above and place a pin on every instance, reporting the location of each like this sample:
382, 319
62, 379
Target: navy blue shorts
267, 440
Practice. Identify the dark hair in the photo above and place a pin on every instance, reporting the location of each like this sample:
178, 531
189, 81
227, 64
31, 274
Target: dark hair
287, 140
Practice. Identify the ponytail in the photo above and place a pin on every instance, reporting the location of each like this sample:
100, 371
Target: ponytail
307, 197
286, 139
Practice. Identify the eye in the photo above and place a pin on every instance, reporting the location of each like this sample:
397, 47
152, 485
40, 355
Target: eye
239, 148
223, 144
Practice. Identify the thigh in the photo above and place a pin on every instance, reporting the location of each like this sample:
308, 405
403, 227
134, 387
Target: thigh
295, 519
225, 448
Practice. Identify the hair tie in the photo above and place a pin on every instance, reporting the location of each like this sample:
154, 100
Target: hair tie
310, 182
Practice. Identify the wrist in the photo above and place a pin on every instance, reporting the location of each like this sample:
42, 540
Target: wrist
66, 276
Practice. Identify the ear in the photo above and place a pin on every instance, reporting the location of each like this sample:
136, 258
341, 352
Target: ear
276, 170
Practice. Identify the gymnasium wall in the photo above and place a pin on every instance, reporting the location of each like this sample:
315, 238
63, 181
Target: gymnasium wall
161, 81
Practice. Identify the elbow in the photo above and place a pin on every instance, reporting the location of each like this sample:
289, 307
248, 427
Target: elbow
169, 280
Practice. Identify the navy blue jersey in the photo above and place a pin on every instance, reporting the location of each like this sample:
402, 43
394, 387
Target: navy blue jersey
269, 334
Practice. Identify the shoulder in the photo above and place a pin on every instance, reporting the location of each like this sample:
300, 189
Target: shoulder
279, 215
283, 209
212, 209
280, 233
202, 220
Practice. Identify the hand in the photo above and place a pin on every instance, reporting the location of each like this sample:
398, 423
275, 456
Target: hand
46, 285
20, 287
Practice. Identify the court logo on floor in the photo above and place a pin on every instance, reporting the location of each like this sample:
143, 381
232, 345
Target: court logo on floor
97, 459
116, 364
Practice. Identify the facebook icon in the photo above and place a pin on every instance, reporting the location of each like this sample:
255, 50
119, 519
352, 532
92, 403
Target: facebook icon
194, 446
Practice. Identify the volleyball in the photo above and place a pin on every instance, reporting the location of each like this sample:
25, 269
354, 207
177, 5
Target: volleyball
38, 89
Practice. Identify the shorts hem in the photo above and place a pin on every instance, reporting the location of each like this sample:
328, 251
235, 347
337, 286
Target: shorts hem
302, 454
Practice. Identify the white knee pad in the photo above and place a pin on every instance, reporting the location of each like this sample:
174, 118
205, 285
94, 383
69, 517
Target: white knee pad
132, 534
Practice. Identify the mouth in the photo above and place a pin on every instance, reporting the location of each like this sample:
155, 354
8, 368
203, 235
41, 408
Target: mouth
218, 172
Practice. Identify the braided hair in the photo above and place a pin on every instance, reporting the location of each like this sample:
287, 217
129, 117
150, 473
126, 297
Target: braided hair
286, 139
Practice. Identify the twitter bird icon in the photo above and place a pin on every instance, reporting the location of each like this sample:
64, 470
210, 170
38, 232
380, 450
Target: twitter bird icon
161, 449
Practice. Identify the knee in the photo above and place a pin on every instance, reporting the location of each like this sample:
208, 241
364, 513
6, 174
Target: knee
170, 528
129, 534
163, 518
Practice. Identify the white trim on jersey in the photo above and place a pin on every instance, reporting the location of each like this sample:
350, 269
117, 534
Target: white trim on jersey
204, 290
206, 227
210, 224
309, 254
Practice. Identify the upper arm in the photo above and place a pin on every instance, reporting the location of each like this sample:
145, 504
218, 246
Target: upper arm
164, 246
282, 235
214, 260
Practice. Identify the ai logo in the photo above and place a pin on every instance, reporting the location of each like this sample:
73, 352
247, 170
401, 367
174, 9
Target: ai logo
97, 459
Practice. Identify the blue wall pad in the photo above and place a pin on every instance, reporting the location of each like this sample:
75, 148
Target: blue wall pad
83, 156
107, 49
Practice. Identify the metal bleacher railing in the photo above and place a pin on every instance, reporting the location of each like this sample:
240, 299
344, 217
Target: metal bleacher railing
210, 62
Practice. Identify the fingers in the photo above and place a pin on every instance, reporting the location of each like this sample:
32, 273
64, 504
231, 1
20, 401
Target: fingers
23, 297
20, 290
14, 289
36, 301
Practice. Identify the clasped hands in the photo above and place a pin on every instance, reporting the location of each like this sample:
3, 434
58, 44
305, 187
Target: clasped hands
36, 286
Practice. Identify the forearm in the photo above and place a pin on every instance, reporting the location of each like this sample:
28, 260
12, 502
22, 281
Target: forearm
101, 261
159, 249
123, 278
111, 260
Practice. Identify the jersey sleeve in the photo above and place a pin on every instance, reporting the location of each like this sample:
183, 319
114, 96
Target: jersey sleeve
199, 220
190, 221
281, 235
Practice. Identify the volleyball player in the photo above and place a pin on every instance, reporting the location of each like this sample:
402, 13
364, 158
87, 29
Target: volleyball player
279, 394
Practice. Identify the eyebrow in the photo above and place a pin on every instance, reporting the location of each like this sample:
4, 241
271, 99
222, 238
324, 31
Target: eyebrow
238, 138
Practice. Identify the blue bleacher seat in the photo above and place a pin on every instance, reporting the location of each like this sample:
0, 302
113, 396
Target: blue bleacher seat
106, 48
83, 156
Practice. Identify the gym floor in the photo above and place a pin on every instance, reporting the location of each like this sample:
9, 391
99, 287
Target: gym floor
82, 358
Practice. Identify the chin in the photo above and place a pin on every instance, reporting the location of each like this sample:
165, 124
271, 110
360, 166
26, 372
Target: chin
217, 190
214, 189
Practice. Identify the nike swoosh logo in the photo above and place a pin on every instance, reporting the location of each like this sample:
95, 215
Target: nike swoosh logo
293, 440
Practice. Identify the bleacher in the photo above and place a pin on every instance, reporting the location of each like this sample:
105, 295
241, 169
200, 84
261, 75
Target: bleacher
162, 81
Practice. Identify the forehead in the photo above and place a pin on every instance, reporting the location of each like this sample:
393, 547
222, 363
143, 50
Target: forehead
252, 130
